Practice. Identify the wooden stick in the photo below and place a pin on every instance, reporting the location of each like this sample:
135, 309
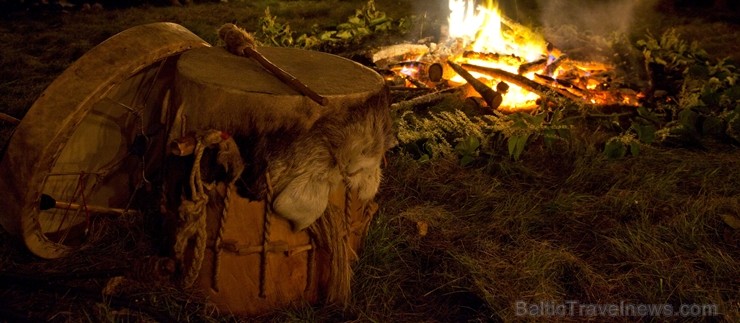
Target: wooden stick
240, 42
286, 77
9, 119
46, 203
521, 81
492, 97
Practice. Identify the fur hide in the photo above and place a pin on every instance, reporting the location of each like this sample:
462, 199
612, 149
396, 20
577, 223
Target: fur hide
340, 149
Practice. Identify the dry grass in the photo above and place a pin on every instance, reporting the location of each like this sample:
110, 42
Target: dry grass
554, 226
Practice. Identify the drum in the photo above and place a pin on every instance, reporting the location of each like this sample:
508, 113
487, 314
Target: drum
93, 139
269, 194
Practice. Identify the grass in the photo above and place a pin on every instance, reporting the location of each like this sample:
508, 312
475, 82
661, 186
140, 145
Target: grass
449, 243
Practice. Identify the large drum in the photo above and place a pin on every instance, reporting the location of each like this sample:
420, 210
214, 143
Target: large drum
93, 142
269, 194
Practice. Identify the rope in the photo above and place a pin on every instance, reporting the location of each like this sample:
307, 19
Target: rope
266, 236
230, 159
193, 214
219, 237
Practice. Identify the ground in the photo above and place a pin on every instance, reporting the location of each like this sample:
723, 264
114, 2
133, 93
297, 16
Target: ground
555, 226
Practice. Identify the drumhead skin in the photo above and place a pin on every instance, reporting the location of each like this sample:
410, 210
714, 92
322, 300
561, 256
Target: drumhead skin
92, 137
236, 94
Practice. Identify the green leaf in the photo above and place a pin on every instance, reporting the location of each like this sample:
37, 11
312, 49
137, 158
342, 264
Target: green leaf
467, 145
614, 149
647, 114
345, 26
355, 21
466, 159
516, 145
645, 133
687, 118
634, 148
344, 34
549, 137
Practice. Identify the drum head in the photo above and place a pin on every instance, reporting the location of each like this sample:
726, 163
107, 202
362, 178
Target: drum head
93, 140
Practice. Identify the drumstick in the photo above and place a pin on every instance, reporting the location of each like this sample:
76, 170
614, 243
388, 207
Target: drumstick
240, 42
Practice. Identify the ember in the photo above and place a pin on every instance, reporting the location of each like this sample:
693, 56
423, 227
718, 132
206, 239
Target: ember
498, 51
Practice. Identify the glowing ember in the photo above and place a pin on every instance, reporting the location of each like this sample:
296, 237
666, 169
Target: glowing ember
486, 41
480, 29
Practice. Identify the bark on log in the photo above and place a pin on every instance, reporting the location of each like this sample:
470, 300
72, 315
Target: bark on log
532, 66
521, 81
426, 99
492, 97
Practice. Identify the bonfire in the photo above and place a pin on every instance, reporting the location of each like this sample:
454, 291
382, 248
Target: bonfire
511, 67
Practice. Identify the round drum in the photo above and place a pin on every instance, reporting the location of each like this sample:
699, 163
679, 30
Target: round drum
289, 183
92, 140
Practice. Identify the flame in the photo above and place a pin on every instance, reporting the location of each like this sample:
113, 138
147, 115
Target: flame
480, 28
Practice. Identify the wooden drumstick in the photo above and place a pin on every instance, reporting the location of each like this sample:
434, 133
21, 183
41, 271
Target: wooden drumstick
240, 42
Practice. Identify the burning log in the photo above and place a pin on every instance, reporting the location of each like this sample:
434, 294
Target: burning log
435, 72
508, 59
415, 82
492, 97
550, 68
521, 81
567, 85
532, 66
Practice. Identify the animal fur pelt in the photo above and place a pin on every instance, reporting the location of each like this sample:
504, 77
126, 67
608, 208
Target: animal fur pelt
342, 147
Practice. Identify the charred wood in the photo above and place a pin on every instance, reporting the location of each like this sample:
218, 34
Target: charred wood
565, 84
532, 66
418, 84
521, 81
492, 97
508, 59
550, 68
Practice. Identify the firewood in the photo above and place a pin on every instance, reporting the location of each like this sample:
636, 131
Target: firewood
389, 52
435, 72
567, 85
532, 66
415, 82
427, 99
492, 97
508, 59
550, 68
521, 81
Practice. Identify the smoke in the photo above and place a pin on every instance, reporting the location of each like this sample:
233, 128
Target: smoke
598, 17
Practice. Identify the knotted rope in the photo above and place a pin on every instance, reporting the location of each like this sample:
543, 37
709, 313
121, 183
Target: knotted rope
229, 158
193, 213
